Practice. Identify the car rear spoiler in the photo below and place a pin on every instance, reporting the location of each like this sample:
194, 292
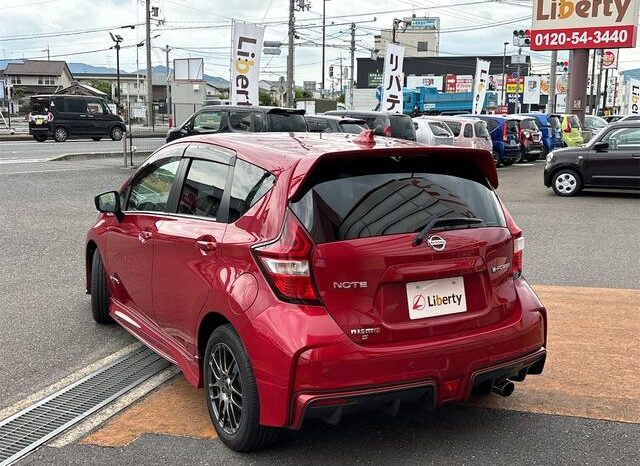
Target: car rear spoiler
297, 111
482, 160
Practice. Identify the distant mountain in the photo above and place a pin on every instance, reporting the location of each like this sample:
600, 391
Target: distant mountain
85, 68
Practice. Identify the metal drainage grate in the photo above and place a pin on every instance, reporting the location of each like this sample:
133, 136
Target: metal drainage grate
30, 428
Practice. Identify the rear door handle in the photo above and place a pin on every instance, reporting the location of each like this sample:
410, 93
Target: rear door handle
206, 244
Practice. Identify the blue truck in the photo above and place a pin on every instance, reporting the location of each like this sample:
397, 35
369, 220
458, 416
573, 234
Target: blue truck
429, 101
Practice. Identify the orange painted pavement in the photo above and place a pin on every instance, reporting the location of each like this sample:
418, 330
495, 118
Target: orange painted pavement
593, 370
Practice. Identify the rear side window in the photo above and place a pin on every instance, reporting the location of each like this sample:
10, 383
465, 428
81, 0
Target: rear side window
240, 121
455, 127
529, 123
481, 129
439, 130
468, 130
512, 127
287, 123
345, 201
318, 126
250, 183
402, 127
352, 128
203, 188
207, 121
76, 106
575, 123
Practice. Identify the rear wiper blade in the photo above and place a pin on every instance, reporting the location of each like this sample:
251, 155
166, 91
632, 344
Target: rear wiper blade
440, 221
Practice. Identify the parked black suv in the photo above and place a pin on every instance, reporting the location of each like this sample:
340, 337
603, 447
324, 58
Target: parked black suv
73, 116
609, 160
396, 125
239, 118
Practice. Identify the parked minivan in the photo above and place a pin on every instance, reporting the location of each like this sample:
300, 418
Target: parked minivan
237, 118
61, 117
395, 125
505, 138
551, 130
468, 132
432, 132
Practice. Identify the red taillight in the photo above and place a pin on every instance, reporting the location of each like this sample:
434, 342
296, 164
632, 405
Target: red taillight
30, 117
567, 128
286, 263
387, 131
516, 261
505, 133
50, 115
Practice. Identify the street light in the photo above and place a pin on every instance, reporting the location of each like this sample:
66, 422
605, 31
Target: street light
117, 39
504, 76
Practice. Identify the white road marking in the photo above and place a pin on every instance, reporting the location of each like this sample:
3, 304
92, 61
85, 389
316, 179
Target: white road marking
8, 161
52, 171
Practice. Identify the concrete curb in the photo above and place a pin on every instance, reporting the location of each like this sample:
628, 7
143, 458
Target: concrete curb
96, 155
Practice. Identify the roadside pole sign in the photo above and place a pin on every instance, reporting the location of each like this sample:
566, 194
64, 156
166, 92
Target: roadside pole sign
393, 79
609, 59
480, 85
584, 24
531, 90
633, 104
245, 63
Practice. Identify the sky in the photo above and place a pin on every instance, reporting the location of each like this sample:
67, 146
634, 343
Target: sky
202, 28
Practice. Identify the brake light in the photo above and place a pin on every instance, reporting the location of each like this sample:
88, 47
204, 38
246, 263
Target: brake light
30, 117
286, 263
50, 116
505, 133
567, 128
387, 131
516, 261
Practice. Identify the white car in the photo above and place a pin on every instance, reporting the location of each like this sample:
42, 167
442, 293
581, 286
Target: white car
432, 132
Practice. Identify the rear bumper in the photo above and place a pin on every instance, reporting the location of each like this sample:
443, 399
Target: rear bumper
309, 365
40, 130
509, 153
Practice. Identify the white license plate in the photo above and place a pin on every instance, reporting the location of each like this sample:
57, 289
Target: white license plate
432, 298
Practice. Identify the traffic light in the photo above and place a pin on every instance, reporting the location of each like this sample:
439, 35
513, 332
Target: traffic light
562, 66
522, 38
331, 71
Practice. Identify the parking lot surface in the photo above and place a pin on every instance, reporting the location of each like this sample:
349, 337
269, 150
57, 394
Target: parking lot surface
580, 256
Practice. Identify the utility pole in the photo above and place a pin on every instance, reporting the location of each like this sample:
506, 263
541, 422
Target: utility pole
353, 53
504, 76
341, 76
604, 93
290, 57
592, 83
147, 15
551, 105
579, 67
48, 53
168, 96
518, 107
596, 105
324, 17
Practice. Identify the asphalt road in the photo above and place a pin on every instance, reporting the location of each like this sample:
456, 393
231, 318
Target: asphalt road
21, 151
48, 332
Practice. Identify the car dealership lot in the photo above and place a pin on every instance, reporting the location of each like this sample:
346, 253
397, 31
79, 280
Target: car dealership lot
587, 241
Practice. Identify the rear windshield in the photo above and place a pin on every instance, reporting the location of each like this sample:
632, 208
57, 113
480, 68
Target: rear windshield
529, 123
345, 201
402, 127
39, 105
439, 130
351, 127
512, 126
454, 126
480, 128
554, 122
287, 122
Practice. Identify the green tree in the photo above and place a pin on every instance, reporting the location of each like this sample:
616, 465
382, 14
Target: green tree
302, 94
340, 98
103, 86
266, 98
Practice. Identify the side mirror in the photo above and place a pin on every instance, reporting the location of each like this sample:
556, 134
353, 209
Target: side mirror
415, 126
109, 202
600, 146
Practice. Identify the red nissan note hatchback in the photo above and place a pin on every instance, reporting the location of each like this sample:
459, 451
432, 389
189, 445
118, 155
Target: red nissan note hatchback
312, 275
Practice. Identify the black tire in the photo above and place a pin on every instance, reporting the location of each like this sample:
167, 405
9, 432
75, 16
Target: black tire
60, 134
100, 296
496, 158
116, 133
96, 138
40, 137
566, 182
237, 382
506, 163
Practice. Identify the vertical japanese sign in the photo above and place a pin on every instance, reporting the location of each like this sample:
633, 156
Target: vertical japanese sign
531, 90
633, 106
245, 63
480, 85
393, 79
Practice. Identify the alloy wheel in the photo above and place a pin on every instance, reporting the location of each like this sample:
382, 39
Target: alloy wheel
566, 183
225, 388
